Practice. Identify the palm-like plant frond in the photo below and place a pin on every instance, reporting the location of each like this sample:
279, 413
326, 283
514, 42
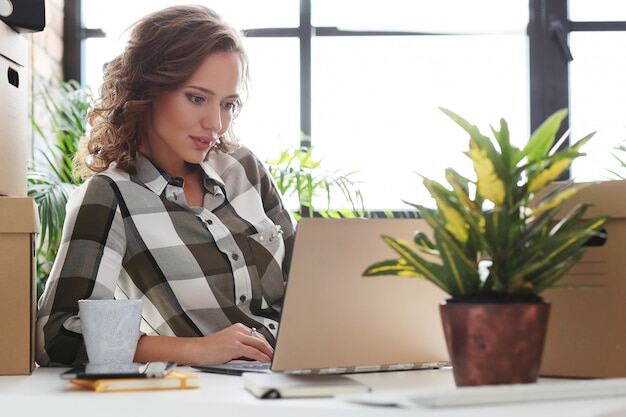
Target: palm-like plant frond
51, 176
296, 172
619, 154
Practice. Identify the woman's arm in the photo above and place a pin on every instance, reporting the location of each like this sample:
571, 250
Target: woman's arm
87, 265
234, 342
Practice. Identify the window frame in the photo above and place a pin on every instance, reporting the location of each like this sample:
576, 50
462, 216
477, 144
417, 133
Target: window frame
549, 55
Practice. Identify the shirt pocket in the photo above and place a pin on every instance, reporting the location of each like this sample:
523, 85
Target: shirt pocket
268, 250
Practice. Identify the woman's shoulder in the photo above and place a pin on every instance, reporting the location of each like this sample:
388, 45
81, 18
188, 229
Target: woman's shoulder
240, 159
241, 153
98, 188
113, 173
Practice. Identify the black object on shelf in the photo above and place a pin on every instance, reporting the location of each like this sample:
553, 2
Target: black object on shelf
24, 15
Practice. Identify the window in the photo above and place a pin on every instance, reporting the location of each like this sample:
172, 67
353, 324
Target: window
364, 78
597, 87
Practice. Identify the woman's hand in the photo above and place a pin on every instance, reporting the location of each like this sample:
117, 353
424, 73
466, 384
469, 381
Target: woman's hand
234, 342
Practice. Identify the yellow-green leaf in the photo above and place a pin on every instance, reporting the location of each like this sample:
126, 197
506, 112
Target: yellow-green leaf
454, 221
398, 267
557, 199
465, 199
543, 138
489, 185
549, 174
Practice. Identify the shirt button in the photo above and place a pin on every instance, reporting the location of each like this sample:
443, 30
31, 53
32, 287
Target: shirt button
234, 256
271, 326
209, 221
242, 298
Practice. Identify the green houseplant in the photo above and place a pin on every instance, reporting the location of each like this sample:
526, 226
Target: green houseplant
51, 177
297, 172
619, 154
506, 223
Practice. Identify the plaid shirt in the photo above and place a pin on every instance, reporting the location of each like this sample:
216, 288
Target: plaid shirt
198, 270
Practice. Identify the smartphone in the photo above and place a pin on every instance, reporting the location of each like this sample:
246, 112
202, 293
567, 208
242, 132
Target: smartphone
131, 370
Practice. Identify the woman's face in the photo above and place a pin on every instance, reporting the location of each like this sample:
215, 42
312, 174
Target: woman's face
186, 122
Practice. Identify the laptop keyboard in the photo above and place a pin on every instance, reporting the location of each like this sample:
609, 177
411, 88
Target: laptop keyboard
256, 366
235, 367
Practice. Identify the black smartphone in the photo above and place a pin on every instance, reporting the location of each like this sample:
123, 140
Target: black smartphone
131, 370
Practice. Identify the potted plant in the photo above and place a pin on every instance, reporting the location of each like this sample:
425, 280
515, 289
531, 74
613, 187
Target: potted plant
498, 241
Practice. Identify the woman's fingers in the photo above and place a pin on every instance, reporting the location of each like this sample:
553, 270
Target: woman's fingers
260, 344
256, 339
254, 345
255, 354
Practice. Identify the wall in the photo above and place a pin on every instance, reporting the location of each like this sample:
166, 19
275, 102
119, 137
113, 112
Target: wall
46, 56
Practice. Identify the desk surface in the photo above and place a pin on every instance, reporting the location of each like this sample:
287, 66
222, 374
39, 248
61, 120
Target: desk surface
47, 395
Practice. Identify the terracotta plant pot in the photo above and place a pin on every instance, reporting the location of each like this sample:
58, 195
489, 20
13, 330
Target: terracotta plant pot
495, 343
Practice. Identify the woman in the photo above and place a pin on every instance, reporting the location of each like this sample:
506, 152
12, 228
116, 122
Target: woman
173, 212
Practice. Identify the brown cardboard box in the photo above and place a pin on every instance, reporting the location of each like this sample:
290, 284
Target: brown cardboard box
18, 224
587, 327
14, 123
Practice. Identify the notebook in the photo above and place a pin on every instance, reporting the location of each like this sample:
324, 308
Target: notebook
174, 380
269, 386
334, 320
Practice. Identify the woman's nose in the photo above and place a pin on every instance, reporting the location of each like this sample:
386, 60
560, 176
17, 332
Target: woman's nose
212, 119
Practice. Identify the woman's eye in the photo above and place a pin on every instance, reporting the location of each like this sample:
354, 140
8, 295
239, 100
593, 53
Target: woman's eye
231, 106
195, 99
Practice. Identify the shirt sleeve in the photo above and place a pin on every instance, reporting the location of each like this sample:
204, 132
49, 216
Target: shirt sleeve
87, 265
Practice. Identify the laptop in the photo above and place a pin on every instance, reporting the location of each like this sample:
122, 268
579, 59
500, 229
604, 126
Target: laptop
336, 321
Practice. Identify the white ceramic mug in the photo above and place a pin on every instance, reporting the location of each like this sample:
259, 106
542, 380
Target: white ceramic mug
110, 329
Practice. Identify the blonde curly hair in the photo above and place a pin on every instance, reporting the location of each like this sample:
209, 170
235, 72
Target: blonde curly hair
164, 50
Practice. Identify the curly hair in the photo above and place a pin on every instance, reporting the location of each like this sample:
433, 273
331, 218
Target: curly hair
164, 50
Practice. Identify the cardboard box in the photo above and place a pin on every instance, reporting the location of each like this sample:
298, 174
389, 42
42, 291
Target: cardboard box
587, 328
18, 224
14, 122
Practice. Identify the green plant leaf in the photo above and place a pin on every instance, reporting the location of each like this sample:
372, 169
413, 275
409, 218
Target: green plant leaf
550, 276
542, 139
429, 270
297, 172
555, 248
482, 142
456, 262
396, 267
50, 175
510, 154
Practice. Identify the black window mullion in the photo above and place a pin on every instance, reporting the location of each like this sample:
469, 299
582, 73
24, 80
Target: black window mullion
549, 73
73, 35
596, 26
72, 45
306, 34
272, 33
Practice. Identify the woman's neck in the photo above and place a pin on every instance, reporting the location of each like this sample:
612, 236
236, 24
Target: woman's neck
174, 166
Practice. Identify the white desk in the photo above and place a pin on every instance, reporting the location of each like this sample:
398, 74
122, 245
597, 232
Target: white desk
46, 395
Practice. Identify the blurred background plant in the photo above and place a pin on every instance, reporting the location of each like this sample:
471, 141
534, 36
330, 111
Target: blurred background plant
328, 193
619, 153
51, 176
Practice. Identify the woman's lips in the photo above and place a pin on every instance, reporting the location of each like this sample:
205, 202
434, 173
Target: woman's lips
202, 142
